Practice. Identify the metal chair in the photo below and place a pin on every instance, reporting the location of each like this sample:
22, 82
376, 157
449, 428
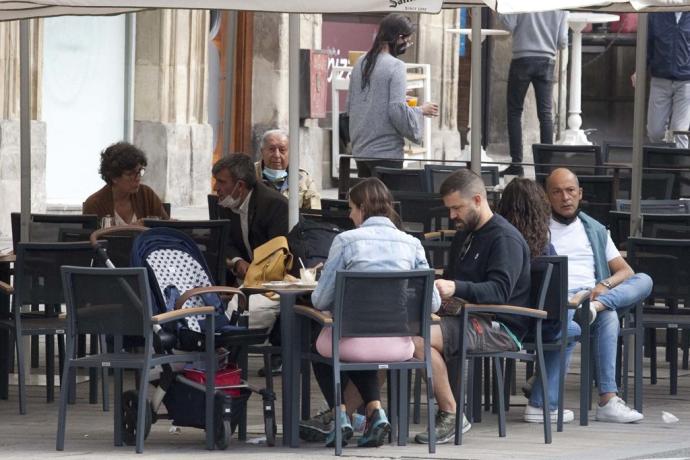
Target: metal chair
45, 228
117, 302
421, 212
436, 174
668, 263
396, 179
541, 281
370, 304
37, 282
674, 161
657, 206
581, 159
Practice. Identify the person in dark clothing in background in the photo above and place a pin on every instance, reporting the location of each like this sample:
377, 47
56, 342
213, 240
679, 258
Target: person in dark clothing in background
489, 264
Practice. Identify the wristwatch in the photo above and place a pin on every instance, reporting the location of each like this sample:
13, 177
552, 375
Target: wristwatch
606, 283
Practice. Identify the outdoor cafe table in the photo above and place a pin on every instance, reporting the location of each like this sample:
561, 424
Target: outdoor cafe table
290, 349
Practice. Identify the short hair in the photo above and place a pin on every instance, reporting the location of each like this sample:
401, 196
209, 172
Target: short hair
524, 204
560, 170
118, 158
240, 167
373, 198
464, 181
272, 132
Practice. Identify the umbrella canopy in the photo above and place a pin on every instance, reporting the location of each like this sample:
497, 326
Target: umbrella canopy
613, 6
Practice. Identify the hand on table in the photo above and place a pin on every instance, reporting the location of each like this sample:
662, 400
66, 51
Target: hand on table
446, 288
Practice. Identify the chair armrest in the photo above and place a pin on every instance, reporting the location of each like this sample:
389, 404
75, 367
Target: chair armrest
435, 319
93, 238
207, 290
6, 288
324, 318
509, 309
579, 297
179, 314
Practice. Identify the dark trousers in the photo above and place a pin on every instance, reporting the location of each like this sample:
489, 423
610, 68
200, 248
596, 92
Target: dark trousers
365, 168
539, 72
367, 383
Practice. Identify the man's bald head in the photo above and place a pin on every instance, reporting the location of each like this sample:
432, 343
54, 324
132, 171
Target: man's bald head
564, 192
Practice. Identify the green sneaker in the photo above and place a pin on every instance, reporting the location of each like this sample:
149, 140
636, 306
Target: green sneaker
345, 427
376, 430
445, 428
316, 428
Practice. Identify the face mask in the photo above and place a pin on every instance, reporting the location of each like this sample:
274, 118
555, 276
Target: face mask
565, 220
275, 175
399, 48
230, 202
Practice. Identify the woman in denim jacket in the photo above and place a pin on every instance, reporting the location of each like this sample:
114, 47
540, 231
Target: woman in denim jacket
376, 245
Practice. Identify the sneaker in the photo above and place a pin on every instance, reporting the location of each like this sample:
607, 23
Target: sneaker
376, 430
512, 170
536, 415
579, 313
345, 428
616, 411
445, 428
527, 387
276, 366
316, 428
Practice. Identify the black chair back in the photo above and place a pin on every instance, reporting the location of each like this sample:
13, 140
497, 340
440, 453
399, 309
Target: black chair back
597, 196
421, 212
667, 262
118, 246
653, 226
409, 180
109, 301
549, 286
436, 174
674, 161
211, 236
617, 153
45, 228
37, 270
382, 304
580, 159
437, 248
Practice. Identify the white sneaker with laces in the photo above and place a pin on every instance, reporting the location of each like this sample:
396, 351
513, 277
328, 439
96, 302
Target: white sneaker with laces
536, 415
616, 411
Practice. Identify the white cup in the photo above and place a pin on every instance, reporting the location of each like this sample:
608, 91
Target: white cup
307, 275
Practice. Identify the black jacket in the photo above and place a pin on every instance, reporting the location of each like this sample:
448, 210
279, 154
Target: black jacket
267, 218
668, 46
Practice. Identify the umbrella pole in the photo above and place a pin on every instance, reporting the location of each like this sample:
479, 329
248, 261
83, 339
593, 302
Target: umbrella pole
476, 92
25, 127
293, 106
130, 53
230, 45
638, 124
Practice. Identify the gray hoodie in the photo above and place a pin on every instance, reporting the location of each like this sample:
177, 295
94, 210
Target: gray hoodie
537, 34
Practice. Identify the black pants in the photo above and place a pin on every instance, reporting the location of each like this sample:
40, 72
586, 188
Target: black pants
539, 72
367, 383
365, 168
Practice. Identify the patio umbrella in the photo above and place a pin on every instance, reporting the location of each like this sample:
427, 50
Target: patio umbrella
10, 10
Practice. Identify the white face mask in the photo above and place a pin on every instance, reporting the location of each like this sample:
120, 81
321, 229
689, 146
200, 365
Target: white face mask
274, 174
230, 202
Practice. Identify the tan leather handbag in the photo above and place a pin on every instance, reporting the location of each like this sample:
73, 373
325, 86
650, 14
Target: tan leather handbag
271, 262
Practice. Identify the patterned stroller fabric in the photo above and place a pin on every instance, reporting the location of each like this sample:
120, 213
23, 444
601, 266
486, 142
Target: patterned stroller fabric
175, 265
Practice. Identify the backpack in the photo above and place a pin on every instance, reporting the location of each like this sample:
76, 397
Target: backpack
311, 241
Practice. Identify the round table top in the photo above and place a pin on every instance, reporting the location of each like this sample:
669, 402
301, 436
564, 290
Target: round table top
586, 17
485, 32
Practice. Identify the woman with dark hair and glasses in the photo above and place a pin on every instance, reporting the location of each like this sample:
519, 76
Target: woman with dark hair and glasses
124, 198
377, 244
380, 118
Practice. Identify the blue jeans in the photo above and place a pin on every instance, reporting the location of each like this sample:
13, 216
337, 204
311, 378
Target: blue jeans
539, 72
605, 331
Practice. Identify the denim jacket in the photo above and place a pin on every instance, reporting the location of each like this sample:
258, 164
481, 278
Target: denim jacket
377, 245
597, 235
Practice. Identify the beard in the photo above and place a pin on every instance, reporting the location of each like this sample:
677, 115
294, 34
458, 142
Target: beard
469, 223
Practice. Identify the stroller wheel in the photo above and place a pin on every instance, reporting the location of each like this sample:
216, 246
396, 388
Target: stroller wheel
130, 403
223, 434
270, 427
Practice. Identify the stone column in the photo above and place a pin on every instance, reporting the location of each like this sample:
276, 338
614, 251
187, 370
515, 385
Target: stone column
170, 107
9, 124
440, 49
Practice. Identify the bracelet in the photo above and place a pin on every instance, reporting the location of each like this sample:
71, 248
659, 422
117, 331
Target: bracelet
606, 283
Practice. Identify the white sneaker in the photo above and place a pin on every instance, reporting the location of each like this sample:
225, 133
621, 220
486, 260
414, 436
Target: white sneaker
536, 415
616, 411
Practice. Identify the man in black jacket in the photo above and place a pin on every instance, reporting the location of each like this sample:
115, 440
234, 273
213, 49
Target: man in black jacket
489, 264
259, 213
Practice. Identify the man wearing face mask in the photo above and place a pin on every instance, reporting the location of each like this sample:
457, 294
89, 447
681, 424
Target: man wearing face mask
272, 169
380, 119
259, 213
594, 263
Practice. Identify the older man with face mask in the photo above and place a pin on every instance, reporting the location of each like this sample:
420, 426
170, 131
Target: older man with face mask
272, 169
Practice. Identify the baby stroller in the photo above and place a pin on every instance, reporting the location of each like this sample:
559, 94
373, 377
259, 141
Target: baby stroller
180, 278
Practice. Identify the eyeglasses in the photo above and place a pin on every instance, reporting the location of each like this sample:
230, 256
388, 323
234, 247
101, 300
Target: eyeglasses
466, 246
136, 173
